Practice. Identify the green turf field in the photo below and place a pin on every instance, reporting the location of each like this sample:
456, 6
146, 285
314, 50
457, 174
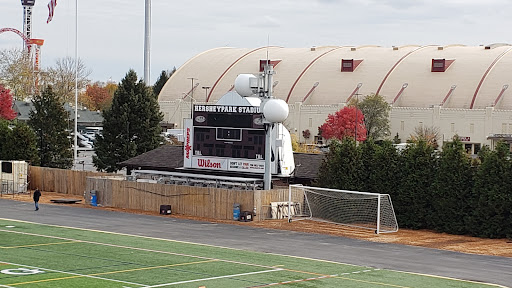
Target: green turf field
35, 255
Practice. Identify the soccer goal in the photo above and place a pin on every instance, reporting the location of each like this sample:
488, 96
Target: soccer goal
350, 208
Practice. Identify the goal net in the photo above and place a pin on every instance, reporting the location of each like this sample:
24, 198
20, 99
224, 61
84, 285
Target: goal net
351, 208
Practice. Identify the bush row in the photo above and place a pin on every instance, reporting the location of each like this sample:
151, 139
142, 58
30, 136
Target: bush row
444, 191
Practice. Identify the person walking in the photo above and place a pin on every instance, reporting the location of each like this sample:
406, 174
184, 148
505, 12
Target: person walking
37, 195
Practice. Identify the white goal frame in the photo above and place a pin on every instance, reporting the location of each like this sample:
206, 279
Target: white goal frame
377, 215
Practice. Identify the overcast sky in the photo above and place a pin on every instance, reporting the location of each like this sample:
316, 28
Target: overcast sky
111, 32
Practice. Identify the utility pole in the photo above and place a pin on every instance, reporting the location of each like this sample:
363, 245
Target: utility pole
191, 95
206, 88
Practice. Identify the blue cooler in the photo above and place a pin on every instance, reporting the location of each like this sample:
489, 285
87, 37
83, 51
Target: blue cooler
94, 198
236, 211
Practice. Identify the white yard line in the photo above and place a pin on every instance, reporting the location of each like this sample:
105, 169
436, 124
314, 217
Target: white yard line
136, 248
213, 278
70, 273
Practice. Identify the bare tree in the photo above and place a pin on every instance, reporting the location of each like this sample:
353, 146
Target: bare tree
428, 134
62, 78
16, 73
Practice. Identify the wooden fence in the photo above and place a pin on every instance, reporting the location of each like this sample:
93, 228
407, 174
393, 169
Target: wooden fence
71, 182
113, 191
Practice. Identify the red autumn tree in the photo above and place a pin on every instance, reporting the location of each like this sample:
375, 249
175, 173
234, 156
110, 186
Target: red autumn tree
343, 124
97, 97
6, 111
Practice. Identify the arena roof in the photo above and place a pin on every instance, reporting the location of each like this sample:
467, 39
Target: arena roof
454, 76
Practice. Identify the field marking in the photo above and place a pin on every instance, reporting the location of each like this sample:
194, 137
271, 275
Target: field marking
237, 249
326, 277
372, 282
34, 245
175, 241
138, 249
152, 267
294, 281
69, 273
448, 278
213, 278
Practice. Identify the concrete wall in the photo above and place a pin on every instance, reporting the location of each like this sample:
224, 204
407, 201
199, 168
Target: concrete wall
475, 125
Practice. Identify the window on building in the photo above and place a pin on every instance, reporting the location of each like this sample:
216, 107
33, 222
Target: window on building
271, 62
438, 65
469, 148
319, 140
310, 122
504, 128
441, 65
7, 167
452, 126
347, 65
402, 125
476, 148
471, 128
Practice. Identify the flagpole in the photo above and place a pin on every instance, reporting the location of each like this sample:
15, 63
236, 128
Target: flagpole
147, 42
75, 154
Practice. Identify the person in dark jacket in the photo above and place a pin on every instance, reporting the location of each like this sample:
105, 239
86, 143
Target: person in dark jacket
37, 195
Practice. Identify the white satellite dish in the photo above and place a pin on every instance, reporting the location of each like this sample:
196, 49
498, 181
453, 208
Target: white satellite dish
246, 85
275, 110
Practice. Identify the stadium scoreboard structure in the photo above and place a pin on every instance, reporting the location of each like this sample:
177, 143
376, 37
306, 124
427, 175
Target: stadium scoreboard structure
232, 138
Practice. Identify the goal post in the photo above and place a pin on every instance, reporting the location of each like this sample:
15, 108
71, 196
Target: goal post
365, 210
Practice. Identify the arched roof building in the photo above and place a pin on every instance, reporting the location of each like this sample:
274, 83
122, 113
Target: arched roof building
478, 73
320, 80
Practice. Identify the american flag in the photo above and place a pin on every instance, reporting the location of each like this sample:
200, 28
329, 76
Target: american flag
51, 9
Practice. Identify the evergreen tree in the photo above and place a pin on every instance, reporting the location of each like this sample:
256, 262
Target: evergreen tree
5, 135
49, 121
381, 166
412, 202
22, 145
452, 189
131, 126
493, 210
369, 166
342, 166
160, 82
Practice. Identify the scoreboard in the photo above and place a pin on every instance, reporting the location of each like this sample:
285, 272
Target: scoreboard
228, 138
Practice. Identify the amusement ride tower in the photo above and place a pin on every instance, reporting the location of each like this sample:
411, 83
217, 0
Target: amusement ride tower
27, 18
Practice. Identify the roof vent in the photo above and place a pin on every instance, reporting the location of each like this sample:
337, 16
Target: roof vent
395, 48
440, 48
487, 47
313, 48
353, 49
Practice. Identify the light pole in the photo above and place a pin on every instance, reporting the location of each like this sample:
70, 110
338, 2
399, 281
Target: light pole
206, 94
192, 100
75, 140
357, 102
147, 41
191, 94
